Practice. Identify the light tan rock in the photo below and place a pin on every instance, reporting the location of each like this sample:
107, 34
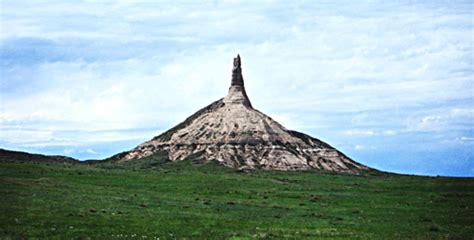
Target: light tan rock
233, 133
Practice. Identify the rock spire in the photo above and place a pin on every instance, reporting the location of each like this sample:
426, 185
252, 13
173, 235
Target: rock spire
237, 94
237, 79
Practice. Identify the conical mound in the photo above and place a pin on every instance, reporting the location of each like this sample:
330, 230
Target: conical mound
233, 133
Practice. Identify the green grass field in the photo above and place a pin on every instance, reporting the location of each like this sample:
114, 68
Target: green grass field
152, 198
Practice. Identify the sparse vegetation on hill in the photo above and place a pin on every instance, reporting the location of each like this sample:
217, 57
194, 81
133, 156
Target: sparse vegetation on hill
29, 157
153, 197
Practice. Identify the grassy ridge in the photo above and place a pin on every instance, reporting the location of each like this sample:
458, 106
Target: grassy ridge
153, 198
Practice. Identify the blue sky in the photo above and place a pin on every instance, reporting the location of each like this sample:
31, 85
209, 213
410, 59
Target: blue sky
389, 83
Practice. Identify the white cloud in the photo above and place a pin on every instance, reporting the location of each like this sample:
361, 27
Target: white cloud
358, 132
360, 147
69, 151
90, 150
445, 120
389, 132
368, 133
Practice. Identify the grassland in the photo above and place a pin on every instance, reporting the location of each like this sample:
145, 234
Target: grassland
153, 198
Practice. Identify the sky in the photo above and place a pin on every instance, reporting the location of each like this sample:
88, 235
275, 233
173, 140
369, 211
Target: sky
389, 83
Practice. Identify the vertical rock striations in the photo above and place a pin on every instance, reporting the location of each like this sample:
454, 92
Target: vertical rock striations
233, 133
237, 79
237, 94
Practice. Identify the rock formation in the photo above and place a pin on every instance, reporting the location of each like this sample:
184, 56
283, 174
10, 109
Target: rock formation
237, 94
232, 132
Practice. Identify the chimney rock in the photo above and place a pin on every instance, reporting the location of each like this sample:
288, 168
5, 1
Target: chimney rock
237, 94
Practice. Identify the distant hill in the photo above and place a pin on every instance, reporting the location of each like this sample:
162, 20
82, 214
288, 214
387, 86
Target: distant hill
8, 155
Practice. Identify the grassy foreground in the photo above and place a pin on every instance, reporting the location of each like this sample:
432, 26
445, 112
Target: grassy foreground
153, 199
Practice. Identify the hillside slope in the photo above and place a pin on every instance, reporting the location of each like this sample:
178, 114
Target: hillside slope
236, 135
